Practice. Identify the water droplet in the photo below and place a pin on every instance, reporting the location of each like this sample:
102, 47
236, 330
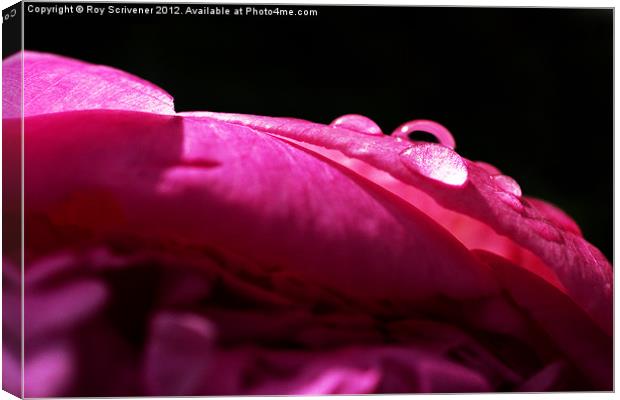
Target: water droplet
507, 184
435, 162
357, 123
442, 134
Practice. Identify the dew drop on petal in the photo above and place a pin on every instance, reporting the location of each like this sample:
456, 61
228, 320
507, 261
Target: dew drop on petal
435, 162
442, 134
357, 123
507, 184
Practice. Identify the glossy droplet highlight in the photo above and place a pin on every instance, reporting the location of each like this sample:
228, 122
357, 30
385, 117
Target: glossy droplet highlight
435, 162
442, 134
507, 184
357, 123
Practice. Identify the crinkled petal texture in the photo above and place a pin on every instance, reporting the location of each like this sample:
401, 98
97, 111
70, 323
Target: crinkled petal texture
221, 254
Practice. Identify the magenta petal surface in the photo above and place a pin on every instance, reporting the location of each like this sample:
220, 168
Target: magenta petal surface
553, 213
347, 233
221, 254
568, 261
585, 343
179, 355
57, 84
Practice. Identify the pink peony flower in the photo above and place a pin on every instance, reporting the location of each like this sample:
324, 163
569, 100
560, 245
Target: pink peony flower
202, 253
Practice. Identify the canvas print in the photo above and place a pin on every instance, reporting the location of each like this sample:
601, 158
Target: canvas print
247, 199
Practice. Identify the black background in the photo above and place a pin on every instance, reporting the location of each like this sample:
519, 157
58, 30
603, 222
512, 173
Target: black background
528, 90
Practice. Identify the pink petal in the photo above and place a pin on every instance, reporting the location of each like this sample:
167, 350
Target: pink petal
249, 370
179, 355
329, 381
11, 368
318, 212
121, 172
49, 373
12, 68
571, 329
12, 189
59, 308
546, 379
57, 84
355, 370
554, 214
564, 259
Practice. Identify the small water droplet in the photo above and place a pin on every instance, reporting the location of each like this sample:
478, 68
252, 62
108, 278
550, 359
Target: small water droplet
442, 133
507, 184
435, 162
357, 123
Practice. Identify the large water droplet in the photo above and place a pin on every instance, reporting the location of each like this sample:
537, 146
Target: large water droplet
357, 123
435, 162
507, 184
442, 134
